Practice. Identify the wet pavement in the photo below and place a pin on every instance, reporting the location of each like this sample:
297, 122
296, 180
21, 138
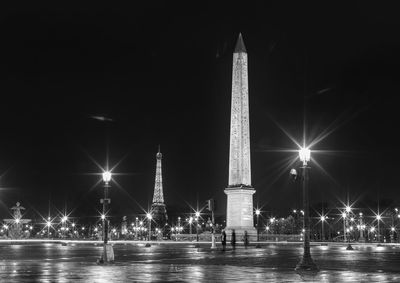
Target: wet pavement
52, 262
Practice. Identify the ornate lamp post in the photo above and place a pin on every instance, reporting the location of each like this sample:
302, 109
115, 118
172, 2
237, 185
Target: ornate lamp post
108, 252
392, 230
306, 262
344, 215
149, 218
190, 226
378, 218
63, 223
197, 214
258, 212
362, 227
322, 218
48, 224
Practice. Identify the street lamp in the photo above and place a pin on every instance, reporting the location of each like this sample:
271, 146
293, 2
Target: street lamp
190, 226
258, 212
197, 228
108, 252
344, 215
149, 218
48, 224
306, 262
361, 239
392, 230
378, 218
322, 218
63, 223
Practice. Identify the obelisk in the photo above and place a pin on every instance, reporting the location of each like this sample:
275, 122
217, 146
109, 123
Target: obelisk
240, 192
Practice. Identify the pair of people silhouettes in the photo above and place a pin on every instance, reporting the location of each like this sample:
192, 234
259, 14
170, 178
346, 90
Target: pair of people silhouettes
233, 239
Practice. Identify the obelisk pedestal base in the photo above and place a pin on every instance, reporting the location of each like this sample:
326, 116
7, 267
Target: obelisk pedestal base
239, 215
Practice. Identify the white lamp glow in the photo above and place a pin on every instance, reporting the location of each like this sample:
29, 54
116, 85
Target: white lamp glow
305, 155
106, 176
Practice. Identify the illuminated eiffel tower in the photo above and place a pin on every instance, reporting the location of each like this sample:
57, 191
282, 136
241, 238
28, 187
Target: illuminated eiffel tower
158, 208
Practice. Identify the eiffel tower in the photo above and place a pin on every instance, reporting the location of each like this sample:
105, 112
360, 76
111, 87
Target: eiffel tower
158, 208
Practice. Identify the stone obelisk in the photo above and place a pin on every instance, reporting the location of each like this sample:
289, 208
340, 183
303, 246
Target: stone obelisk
240, 192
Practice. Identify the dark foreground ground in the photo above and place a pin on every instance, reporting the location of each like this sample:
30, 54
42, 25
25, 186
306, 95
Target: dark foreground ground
52, 262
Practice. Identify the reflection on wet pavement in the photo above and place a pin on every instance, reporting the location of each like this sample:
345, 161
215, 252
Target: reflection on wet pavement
182, 262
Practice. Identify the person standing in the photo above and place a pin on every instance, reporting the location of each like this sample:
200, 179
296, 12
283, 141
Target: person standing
223, 240
246, 239
233, 239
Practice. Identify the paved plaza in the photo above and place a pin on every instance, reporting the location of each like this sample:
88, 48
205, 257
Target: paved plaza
182, 262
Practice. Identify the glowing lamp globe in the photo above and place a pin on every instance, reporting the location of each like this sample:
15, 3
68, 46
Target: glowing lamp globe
106, 176
48, 224
258, 212
348, 208
305, 155
378, 217
149, 216
103, 217
344, 214
322, 218
197, 214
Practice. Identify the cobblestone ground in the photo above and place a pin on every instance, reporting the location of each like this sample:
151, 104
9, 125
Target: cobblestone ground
52, 262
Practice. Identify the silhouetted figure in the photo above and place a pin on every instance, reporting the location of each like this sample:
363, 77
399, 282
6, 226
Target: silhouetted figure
233, 239
246, 239
223, 240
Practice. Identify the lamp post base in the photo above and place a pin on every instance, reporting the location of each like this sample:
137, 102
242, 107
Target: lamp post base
307, 263
108, 254
349, 247
147, 245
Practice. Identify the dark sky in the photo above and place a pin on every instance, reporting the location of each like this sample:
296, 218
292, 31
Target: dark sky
163, 73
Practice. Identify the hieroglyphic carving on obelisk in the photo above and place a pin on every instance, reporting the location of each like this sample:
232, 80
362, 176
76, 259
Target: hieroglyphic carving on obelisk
239, 155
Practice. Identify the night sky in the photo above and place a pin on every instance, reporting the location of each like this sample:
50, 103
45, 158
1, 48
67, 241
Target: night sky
162, 72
